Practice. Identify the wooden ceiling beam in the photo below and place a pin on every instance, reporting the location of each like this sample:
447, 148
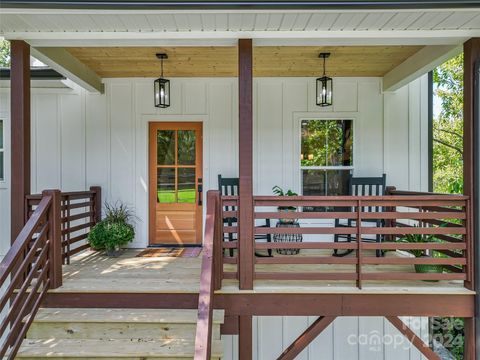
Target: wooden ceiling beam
68, 65
419, 64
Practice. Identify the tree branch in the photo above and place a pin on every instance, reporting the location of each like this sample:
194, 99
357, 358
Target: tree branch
452, 133
448, 145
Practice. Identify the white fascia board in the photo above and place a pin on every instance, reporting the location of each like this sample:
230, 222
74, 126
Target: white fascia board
69, 66
32, 11
228, 38
419, 64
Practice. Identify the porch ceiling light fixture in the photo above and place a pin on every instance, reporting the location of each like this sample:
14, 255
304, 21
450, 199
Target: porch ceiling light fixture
324, 85
161, 86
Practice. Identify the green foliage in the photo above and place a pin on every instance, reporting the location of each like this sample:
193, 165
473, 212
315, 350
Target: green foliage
118, 213
115, 230
448, 161
448, 127
4, 53
109, 236
418, 239
277, 190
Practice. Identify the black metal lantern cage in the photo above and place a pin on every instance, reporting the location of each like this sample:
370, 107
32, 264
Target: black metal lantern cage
161, 87
324, 86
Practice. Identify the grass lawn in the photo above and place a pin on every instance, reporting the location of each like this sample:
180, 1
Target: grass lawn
184, 196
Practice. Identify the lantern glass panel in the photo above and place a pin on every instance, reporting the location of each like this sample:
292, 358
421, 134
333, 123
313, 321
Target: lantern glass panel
324, 91
162, 93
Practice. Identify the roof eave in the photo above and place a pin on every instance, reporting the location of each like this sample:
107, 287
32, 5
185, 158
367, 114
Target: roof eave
237, 4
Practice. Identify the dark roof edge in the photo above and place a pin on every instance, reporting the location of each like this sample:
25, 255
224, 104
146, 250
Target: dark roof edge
35, 74
236, 4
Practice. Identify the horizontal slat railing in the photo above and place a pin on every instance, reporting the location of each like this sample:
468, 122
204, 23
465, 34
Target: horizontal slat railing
209, 277
29, 269
80, 211
442, 220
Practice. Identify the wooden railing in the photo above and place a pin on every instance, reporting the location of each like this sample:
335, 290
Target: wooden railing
32, 266
442, 219
210, 278
80, 210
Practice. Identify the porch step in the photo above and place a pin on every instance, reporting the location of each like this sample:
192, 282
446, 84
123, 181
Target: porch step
116, 334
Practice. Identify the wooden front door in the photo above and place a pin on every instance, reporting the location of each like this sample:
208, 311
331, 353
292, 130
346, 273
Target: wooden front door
175, 176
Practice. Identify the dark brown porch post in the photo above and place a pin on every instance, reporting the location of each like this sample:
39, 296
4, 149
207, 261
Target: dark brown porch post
245, 198
470, 177
245, 201
20, 133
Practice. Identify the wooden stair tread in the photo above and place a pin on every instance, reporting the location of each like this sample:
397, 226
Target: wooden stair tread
169, 316
88, 348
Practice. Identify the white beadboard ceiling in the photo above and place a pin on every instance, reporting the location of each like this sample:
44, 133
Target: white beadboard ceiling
240, 21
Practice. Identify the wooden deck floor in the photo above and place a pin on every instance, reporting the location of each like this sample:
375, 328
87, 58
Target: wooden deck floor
95, 273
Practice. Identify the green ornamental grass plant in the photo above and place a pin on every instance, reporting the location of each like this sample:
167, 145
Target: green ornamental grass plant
115, 230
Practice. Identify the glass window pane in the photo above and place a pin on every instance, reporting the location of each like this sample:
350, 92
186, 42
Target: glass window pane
337, 182
186, 147
339, 143
314, 135
1, 166
186, 185
327, 143
165, 147
166, 185
313, 182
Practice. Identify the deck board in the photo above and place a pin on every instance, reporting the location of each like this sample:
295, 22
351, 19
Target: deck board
94, 273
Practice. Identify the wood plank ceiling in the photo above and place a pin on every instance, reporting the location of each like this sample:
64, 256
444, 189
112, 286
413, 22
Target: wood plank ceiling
269, 61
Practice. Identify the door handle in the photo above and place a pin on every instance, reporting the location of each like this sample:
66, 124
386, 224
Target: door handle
200, 191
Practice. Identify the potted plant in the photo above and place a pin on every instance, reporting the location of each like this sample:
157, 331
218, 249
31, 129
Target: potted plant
422, 239
277, 190
114, 231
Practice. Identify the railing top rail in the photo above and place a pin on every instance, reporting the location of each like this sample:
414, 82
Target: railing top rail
409, 192
33, 196
67, 193
25, 235
356, 198
78, 193
407, 196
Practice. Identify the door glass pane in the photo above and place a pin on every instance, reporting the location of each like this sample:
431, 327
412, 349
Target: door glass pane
186, 147
165, 147
166, 185
186, 185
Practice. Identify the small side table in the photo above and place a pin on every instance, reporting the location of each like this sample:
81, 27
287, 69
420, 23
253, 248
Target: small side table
288, 238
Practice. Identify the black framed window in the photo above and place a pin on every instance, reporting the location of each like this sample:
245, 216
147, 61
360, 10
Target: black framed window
326, 157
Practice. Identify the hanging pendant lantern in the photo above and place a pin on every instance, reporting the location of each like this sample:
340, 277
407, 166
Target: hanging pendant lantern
161, 87
324, 85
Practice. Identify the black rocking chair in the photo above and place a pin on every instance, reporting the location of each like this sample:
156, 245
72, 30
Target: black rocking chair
229, 187
363, 186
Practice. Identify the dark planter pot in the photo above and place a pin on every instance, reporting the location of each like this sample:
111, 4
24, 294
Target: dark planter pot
113, 252
287, 210
429, 269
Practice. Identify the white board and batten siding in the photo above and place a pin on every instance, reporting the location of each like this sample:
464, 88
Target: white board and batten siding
81, 139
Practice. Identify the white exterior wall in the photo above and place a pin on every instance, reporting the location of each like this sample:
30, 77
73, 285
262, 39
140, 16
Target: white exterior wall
81, 139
